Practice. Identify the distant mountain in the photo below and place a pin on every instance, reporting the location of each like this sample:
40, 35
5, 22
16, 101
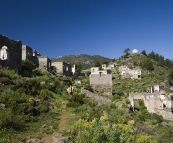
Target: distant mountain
87, 61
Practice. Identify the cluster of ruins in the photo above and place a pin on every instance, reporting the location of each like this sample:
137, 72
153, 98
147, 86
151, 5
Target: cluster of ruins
13, 52
155, 100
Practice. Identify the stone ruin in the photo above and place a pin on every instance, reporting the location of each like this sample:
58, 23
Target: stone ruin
42, 62
126, 72
10, 53
64, 68
101, 79
156, 102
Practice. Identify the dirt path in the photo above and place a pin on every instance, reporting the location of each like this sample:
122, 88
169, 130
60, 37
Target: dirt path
62, 124
64, 117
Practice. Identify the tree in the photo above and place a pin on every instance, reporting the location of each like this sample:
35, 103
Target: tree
144, 53
78, 66
126, 51
151, 55
97, 64
148, 65
28, 65
170, 77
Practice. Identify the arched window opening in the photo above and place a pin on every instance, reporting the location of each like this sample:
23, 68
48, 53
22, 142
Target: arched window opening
4, 53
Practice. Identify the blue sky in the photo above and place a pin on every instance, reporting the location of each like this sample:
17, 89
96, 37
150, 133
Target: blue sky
95, 27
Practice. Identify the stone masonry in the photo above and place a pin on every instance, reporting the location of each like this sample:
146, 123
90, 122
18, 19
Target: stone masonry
42, 62
101, 79
159, 103
10, 53
130, 73
64, 68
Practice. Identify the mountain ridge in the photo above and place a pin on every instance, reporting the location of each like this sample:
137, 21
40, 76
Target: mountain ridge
87, 61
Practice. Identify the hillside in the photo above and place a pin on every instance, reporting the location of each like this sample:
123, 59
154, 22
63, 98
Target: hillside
158, 75
87, 61
38, 107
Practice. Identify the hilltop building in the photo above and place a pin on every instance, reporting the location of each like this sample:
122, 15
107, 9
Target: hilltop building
135, 51
101, 79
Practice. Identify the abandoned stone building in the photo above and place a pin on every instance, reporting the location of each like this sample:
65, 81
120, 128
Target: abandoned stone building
155, 88
64, 68
156, 102
110, 66
42, 62
101, 79
126, 72
10, 53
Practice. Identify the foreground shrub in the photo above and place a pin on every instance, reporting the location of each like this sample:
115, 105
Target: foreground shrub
102, 131
76, 100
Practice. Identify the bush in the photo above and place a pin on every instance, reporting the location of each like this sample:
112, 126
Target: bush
28, 65
76, 100
12, 122
45, 94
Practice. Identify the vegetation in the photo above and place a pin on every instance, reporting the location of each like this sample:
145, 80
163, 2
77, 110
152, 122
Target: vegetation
34, 104
29, 104
78, 66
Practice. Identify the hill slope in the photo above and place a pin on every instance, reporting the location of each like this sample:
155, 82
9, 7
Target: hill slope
155, 73
87, 61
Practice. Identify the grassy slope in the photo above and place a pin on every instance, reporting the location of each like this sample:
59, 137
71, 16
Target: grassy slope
45, 93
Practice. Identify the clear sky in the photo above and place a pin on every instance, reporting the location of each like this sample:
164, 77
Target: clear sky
95, 27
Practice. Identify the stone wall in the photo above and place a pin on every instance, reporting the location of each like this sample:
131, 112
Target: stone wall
130, 73
102, 82
58, 66
44, 62
27, 52
13, 53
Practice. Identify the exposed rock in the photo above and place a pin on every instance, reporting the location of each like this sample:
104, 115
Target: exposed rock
44, 126
97, 97
70, 90
59, 138
2, 106
32, 141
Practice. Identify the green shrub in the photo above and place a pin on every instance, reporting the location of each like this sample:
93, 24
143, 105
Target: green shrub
45, 94
76, 100
12, 122
28, 65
